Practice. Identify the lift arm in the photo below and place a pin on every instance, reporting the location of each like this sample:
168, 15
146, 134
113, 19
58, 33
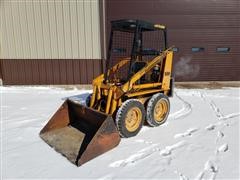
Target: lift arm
128, 85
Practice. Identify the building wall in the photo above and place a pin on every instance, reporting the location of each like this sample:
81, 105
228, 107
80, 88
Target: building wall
192, 23
48, 29
62, 41
49, 71
50, 41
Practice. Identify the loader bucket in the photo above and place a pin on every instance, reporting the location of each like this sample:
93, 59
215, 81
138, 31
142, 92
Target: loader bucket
80, 133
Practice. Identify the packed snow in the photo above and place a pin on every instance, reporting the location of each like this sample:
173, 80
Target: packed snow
200, 139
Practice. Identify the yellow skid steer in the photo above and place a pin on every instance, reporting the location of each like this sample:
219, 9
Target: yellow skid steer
134, 88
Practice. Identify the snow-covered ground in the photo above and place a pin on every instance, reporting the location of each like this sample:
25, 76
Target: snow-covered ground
200, 140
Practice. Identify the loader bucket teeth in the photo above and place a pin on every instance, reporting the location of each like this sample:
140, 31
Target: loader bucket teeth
80, 133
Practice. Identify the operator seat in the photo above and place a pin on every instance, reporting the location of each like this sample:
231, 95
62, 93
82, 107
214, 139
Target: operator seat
136, 66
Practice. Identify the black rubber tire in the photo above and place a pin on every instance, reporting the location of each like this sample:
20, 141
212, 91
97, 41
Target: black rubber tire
121, 115
88, 100
150, 109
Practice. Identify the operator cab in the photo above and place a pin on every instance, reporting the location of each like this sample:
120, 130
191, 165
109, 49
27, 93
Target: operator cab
139, 42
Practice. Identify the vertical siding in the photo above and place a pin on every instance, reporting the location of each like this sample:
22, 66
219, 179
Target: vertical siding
81, 29
95, 28
3, 30
17, 34
88, 27
200, 23
38, 29
9, 29
31, 27
50, 29
67, 28
60, 29
49, 71
74, 29
53, 28
45, 29
25, 39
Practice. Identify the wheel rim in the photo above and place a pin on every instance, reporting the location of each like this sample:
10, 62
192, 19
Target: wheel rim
160, 110
133, 119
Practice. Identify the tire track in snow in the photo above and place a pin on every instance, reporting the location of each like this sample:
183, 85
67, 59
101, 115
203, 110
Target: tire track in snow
222, 148
229, 116
143, 141
146, 152
220, 135
184, 111
168, 149
132, 159
187, 133
220, 116
211, 168
218, 113
181, 175
209, 171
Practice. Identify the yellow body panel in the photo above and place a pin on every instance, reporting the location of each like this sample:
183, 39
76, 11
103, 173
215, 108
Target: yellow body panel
168, 71
144, 86
140, 93
113, 93
118, 65
159, 26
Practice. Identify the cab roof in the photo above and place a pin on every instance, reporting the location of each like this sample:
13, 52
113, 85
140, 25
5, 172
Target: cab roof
129, 25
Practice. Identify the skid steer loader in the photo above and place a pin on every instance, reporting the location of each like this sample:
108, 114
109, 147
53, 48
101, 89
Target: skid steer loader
134, 88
